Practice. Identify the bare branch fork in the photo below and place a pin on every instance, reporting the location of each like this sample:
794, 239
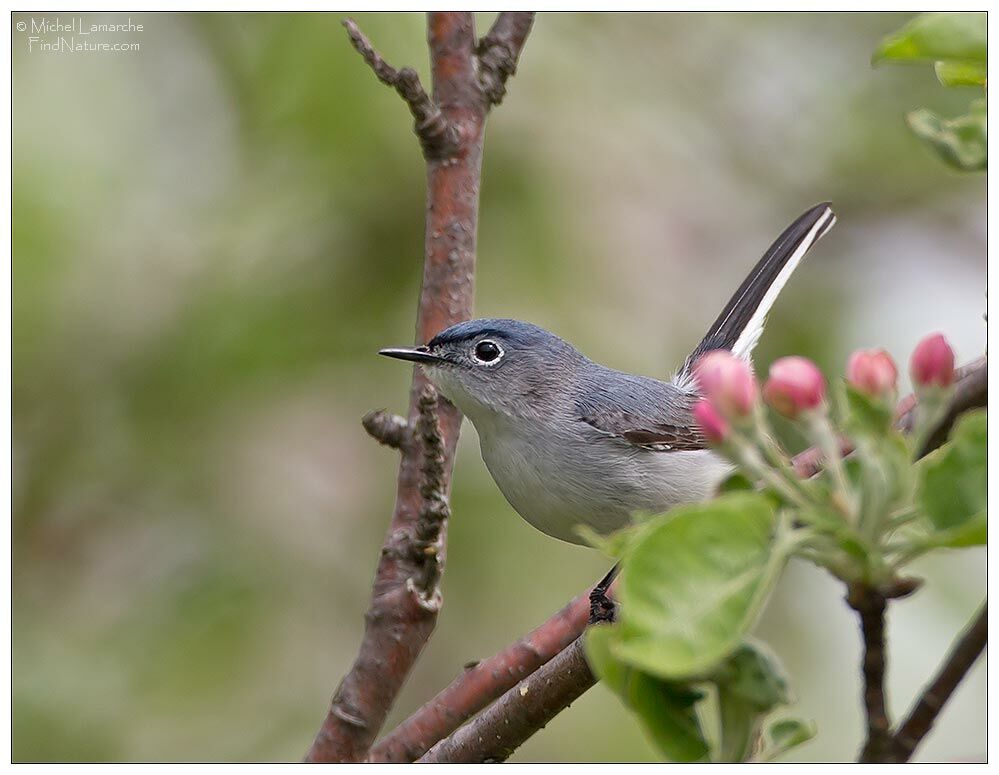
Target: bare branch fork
468, 77
883, 744
497, 54
478, 686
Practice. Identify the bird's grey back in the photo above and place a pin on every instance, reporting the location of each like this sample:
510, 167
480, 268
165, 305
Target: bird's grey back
639, 410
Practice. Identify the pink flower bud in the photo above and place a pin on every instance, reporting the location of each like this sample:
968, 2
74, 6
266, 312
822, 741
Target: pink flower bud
715, 428
728, 382
795, 385
932, 362
872, 372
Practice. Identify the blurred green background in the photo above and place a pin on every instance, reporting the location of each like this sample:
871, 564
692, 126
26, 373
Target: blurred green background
214, 234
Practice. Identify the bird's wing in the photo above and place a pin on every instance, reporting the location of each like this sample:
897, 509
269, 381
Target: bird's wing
641, 412
650, 435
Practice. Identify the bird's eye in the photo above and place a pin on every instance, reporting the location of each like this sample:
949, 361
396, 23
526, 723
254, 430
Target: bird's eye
487, 352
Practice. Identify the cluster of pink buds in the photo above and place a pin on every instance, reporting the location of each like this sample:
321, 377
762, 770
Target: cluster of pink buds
796, 388
731, 393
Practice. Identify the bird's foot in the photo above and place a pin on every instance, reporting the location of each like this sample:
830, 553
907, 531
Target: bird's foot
601, 606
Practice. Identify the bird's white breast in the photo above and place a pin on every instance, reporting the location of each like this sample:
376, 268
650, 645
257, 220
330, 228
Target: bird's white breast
558, 477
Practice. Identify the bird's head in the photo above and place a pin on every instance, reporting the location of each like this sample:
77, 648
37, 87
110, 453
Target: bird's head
496, 365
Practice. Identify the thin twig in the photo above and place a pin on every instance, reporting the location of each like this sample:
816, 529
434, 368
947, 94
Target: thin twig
963, 654
388, 429
477, 686
438, 136
499, 51
506, 724
869, 604
434, 511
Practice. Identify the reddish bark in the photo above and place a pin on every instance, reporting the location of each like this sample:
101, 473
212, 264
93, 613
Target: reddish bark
405, 597
962, 656
481, 684
526, 708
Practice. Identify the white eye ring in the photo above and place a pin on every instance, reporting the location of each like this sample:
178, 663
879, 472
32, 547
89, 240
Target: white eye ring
491, 361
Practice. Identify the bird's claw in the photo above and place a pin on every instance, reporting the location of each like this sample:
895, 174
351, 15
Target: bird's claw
601, 606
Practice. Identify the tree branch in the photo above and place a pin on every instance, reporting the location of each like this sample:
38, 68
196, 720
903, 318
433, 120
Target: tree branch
404, 599
499, 51
971, 391
869, 604
438, 136
475, 688
962, 656
506, 724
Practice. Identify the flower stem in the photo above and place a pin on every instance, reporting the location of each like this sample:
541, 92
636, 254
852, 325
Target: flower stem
825, 438
746, 454
772, 454
932, 406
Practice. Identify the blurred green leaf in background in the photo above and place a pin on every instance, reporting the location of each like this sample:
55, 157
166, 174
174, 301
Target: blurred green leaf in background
957, 43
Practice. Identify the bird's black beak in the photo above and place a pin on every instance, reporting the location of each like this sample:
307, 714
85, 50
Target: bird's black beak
417, 354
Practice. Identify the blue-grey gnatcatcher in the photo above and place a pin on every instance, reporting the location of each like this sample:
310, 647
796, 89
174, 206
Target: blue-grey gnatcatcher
572, 442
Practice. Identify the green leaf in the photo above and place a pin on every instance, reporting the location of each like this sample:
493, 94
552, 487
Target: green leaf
783, 735
737, 482
597, 645
754, 675
973, 532
961, 73
614, 545
693, 584
961, 142
666, 710
668, 716
750, 684
938, 36
739, 728
953, 480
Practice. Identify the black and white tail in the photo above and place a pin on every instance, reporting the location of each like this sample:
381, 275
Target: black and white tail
740, 324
